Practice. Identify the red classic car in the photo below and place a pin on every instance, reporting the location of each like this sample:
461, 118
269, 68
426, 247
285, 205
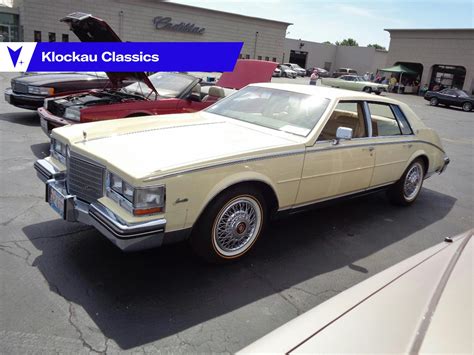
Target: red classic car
157, 94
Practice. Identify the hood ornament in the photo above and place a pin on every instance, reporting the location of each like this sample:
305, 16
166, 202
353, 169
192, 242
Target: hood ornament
84, 135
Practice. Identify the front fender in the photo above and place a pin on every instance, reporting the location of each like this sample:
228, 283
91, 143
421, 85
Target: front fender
240, 177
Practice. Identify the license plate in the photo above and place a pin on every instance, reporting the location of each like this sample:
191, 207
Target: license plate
7, 98
56, 200
44, 124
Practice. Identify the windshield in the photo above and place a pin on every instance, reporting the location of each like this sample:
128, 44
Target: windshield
167, 85
462, 93
281, 110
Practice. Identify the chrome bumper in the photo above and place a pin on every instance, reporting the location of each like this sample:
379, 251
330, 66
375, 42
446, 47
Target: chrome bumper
445, 164
126, 236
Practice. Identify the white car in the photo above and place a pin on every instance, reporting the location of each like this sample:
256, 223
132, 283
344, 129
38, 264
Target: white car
287, 72
421, 305
299, 71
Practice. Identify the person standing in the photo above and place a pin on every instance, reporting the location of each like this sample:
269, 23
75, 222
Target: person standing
313, 79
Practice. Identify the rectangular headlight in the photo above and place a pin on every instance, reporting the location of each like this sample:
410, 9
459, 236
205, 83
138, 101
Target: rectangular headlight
73, 113
149, 200
58, 150
140, 201
40, 90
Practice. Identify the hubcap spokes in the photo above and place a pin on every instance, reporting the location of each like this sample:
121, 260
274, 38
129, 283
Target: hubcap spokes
237, 226
412, 182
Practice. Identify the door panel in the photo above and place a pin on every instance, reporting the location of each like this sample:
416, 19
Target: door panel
331, 170
391, 158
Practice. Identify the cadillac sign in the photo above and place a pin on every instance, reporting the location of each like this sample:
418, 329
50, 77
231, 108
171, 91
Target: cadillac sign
165, 23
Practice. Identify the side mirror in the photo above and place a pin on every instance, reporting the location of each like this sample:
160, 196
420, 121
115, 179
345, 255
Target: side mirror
343, 133
194, 96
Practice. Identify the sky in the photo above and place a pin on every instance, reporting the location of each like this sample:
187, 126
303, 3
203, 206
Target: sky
363, 20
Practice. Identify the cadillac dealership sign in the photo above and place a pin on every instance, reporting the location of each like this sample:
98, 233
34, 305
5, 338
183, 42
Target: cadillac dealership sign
165, 23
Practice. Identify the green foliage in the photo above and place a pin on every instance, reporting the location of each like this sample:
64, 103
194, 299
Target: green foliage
377, 46
348, 42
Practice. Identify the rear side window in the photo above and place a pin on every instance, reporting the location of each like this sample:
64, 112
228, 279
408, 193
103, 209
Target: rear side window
383, 120
402, 120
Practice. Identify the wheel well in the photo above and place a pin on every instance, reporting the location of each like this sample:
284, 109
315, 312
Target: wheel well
426, 162
138, 114
267, 190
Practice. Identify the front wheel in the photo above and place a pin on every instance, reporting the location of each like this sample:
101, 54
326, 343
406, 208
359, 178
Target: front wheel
230, 225
434, 101
367, 89
467, 106
406, 190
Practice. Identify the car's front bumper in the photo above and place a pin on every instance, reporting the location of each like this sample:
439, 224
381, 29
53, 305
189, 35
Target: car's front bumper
126, 236
29, 102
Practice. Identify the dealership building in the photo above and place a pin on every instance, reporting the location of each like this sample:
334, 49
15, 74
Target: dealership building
438, 56
144, 21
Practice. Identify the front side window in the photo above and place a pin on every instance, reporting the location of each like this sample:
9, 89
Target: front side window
281, 110
346, 114
383, 120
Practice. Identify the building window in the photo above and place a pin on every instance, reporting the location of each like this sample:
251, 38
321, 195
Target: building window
52, 37
447, 76
9, 28
267, 58
274, 59
65, 37
241, 56
259, 57
247, 56
37, 36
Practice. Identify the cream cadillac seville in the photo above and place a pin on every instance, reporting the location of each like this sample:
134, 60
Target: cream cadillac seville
217, 176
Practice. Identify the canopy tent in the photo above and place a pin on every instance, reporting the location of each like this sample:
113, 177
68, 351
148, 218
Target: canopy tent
401, 69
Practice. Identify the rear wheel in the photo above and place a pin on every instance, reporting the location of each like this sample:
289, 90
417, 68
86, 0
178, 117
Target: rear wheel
434, 101
367, 89
230, 225
407, 189
467, 106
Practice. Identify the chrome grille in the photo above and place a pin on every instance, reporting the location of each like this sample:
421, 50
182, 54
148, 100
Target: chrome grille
19, 87
85, 179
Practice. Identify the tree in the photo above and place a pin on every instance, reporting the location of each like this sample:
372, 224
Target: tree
327, 42
348, 42
377, 46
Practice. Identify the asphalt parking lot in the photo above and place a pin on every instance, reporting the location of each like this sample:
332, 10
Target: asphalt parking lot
66, 289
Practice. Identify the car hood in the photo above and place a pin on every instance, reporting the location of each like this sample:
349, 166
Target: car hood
149, 147
51, 79
247, 71
92, 29
421, 305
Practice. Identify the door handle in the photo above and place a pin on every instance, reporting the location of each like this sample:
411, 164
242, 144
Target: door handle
370, 149
408, 145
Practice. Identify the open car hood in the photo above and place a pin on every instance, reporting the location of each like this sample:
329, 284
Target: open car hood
247, 71
92, 29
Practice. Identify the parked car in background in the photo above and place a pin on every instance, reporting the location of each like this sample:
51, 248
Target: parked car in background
354, 82
287, 72
423, 304
159, 93
451, 97
277, 73
299, 71
323, 73
344, 71
29, 91
135, 179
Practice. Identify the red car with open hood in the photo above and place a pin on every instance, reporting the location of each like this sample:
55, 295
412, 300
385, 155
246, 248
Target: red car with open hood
157, 94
